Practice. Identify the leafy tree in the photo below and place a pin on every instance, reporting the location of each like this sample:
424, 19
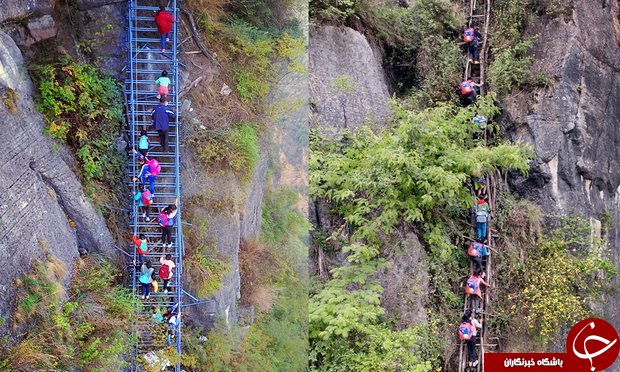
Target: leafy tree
347, 331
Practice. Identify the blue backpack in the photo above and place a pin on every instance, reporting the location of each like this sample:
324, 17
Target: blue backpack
144, 143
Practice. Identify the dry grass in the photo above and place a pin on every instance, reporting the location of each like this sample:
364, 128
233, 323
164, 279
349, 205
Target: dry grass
257, 266
28, 354
38, 289
9, 99
263, 297
214, 8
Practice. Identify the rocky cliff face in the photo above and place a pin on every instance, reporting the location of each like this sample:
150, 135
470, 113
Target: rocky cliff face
573, 123
348, 88
42, 206
347, 81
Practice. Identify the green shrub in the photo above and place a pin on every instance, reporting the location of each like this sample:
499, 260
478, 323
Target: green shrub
91, 330
511, 68
547, 276
236, 148
255, 52
347, 331
203, 262
421, 40
332, 10
508, 22
564, 277
83, 108
208, 269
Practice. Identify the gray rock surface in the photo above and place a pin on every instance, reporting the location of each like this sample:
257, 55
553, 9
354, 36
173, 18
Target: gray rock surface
347, 81
289, 136
90, 4
39, 29
224, 230
15, 9
103, 25
227, 227
405, 284
41, 200
252, 211
573, 124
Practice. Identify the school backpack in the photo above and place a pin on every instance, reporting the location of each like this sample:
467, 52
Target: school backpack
481, 215
465, 331
147, 197
163, 219
466, 88
474, 249
481, 121
144, 143
469, 35
164, 271
142, 248
144, 278
155, 167
471, 287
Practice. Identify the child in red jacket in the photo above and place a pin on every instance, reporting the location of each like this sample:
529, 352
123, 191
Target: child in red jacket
164, 23
141, 244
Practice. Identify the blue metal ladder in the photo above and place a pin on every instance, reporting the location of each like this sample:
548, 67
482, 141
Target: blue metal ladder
145, 64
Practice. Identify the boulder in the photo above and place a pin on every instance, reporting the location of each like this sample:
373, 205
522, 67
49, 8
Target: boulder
40, 28
348, 85
91, 4
405, 283
16, 9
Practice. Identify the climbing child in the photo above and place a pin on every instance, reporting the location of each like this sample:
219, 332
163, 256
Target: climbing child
165, 271
472, 288
149, 170
146, 272
141, 244
467, 332
163, 81
467, 91
166, 222
144, 198
477, 250
143, 143
480, 121
471, 36
164, 25
481, 210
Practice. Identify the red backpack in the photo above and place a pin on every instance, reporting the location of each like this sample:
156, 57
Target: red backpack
164, 272
469, 35
473, 285
466, 88
474, 249
155, 167
147, 198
